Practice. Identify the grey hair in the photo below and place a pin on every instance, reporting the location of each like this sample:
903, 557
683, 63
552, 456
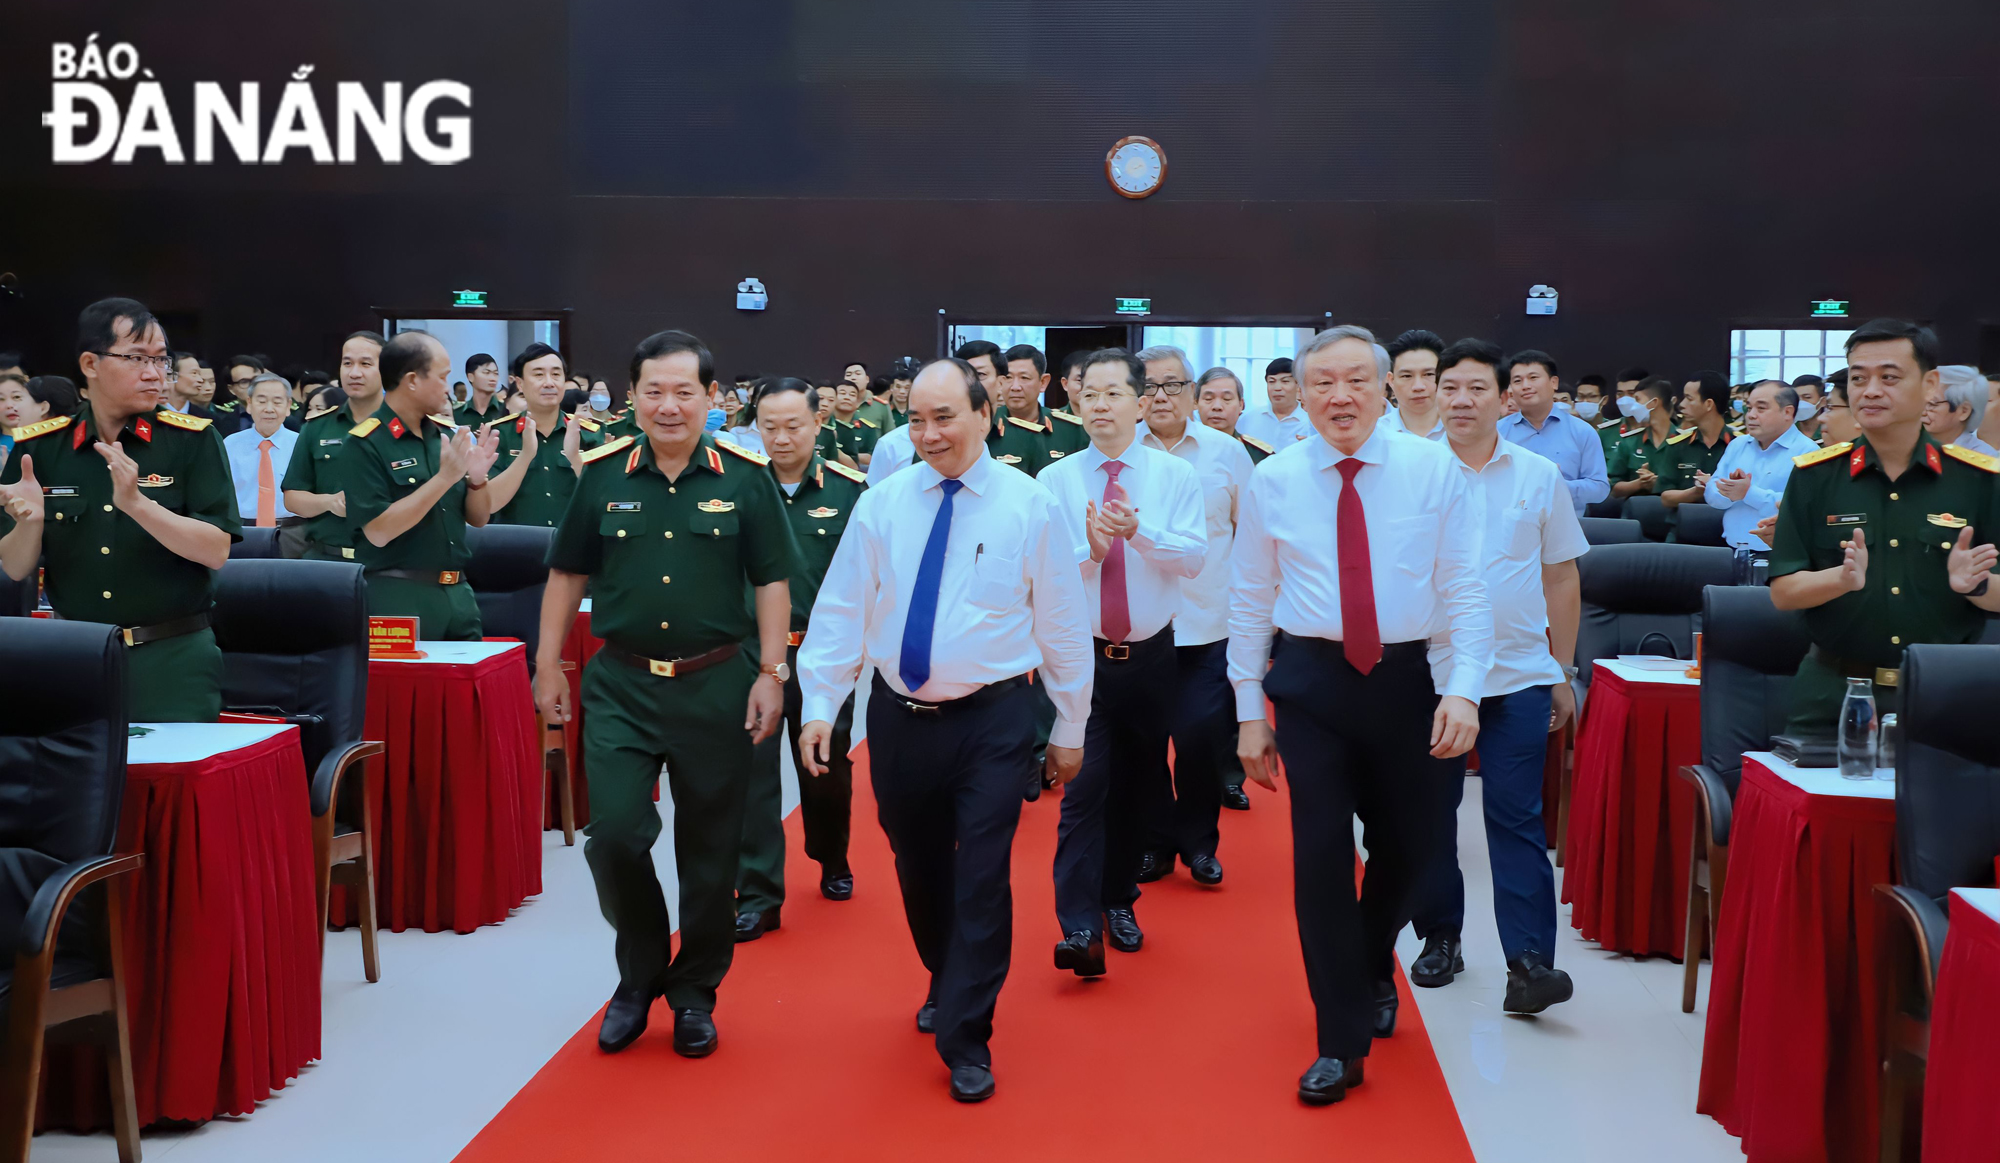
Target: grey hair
1965, 385
1218, 373
1786, 395
267, 378
1333, 335
1166, 351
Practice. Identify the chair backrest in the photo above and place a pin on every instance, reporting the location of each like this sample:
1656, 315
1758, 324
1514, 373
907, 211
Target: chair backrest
1948, 768
1644, 598
294, 635
1611, 531
17, 598
1608, 507
1750, 650
1651, 514
508, 572
257, 543
1698, 525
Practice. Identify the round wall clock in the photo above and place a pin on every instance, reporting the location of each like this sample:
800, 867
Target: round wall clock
1135, 166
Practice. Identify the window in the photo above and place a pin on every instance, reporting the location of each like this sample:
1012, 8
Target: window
1243, 350
1001, 337
1786, 355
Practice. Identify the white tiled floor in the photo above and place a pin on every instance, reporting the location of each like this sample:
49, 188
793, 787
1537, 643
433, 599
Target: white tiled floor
414, 1065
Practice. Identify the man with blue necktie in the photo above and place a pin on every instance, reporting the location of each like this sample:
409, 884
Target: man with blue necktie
954, 580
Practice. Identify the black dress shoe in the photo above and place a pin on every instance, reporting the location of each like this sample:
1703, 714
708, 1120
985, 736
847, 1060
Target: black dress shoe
624, 1019
1033, 791
836, 886
1123, 929
1441, 960
1235, 799
752, 925
1081, 952
1533, 985
1326, 1081
927, 1018
1205, 870
1153, 866
1386, 1002
971, 1083
694, 1033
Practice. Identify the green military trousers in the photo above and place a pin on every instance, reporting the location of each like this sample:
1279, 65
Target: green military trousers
1816, 695
633, 722
444, 613
174, 680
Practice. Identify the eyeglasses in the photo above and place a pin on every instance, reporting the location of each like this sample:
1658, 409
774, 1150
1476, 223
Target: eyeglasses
1170, 387
165, 363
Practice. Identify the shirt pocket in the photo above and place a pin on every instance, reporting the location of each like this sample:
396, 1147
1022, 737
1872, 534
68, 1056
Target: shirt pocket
64, 507
1519, 537
1410, 544
713, 526
997, 584
1827, 536
621, 525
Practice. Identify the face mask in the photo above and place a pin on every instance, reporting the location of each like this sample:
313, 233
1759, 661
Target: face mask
1806, 411
1736, 406
715, 419
1632, 409
600, 401
1586, 409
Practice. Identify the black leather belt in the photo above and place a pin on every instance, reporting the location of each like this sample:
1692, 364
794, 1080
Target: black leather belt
140, 635
1879, 675
672, 667
443, 577
979, 698
1125, 651
1391, 651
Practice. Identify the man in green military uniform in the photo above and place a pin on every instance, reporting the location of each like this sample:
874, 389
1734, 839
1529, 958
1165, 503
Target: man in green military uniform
1645, 461
856, 435
413, 484
1025, 434
133, 505
668, 531
1698, 449
819, 496
541, 447
1886, 541
312, 480
482, 404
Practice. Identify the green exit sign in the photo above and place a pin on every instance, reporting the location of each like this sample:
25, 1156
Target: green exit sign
1830, 308
1135, 306
468, 299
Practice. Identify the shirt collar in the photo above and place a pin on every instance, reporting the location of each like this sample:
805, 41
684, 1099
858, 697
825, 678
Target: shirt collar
978, 479
1926, 453
1373, 450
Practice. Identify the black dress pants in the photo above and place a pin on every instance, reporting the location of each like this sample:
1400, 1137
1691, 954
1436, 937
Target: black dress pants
1184, 808
1357, 744
948, 795
1102, 835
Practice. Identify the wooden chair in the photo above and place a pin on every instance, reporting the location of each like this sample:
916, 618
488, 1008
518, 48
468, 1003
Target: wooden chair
62, 777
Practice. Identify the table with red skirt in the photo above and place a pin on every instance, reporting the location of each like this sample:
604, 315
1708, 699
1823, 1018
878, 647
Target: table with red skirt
1631, 816
1791, 1056
457, 794
579, 648
222, 958
1961, 1110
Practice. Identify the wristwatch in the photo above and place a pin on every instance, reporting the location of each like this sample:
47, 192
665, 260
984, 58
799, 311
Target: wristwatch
782, 671
1569, 672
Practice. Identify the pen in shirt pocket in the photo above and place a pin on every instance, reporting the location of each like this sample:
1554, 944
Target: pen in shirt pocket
979, 549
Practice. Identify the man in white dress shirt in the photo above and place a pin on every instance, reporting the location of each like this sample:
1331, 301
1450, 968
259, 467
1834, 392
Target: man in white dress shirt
1751, 475
258, 456
892, 452
1134, 515
1183, 809
1361, 547
1530, 539
1283, 422
954, 580
1413, 373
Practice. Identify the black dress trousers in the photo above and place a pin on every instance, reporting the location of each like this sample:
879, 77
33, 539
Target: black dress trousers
1184, 809
1357, 744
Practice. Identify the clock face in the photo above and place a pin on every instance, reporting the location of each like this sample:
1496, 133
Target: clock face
1136, 166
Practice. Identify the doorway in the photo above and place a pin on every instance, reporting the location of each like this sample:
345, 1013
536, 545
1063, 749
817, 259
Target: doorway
467, 332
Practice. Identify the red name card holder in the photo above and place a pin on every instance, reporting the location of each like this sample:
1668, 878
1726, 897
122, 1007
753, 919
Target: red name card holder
394, 639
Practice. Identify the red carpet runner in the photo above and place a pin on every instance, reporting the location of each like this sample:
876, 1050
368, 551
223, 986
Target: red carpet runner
1189, 1049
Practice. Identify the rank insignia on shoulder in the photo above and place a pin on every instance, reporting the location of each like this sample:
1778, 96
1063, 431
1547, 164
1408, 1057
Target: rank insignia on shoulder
857, 477
40, 428
606, 449
365, 427
1830, 452
1945, 520
446, 420
1076, 420
1257, 444
1678, 437
739, 450
316, 413
153, 480
1976, 459
1018, 423
824, 512
588, 424
621, 506
716, 506
867, 421
178, 420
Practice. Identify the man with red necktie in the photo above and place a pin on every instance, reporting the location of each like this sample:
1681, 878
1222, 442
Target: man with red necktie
1360, 546
1135, 516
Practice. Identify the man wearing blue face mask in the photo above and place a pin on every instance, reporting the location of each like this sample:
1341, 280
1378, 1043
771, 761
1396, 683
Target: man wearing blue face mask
1812, 393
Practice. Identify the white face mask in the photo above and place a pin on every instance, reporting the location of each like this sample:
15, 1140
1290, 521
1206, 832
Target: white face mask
1632, 409
1586, 409
600, 401
1806, 411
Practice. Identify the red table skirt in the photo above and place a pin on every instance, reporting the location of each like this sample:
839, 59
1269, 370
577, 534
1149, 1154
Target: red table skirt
1625, 866
1789, 1061
456, 797
1961, 1081
221, 942
580, 647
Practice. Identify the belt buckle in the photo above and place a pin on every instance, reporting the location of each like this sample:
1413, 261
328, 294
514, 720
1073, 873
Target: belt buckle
663, 669
127, 633
1117, 651
920, 708
449, 577
1885, 676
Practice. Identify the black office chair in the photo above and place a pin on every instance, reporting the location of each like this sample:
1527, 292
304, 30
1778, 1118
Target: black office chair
256, 544
62, 780
1947, 836
1698, 524
1607, 508
1611, 531
1651, 514
1750, 651
508, 573
1644, 598
294, 639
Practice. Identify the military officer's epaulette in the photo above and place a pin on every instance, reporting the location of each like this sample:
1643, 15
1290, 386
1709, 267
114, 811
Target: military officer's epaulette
586, 422
1076, 420
867, 421
1019, 423
1830, 452
446, 420
175, 419
1677, 437
1613, 422
843, 470
1976, 459
316, 413
606, 449
365, 427
1257, 444
753, 457
40, 428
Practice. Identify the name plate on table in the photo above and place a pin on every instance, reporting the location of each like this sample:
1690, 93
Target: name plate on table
393, 638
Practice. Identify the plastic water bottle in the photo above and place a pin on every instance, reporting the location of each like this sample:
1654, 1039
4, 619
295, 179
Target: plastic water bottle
1885, 748
1857, 730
